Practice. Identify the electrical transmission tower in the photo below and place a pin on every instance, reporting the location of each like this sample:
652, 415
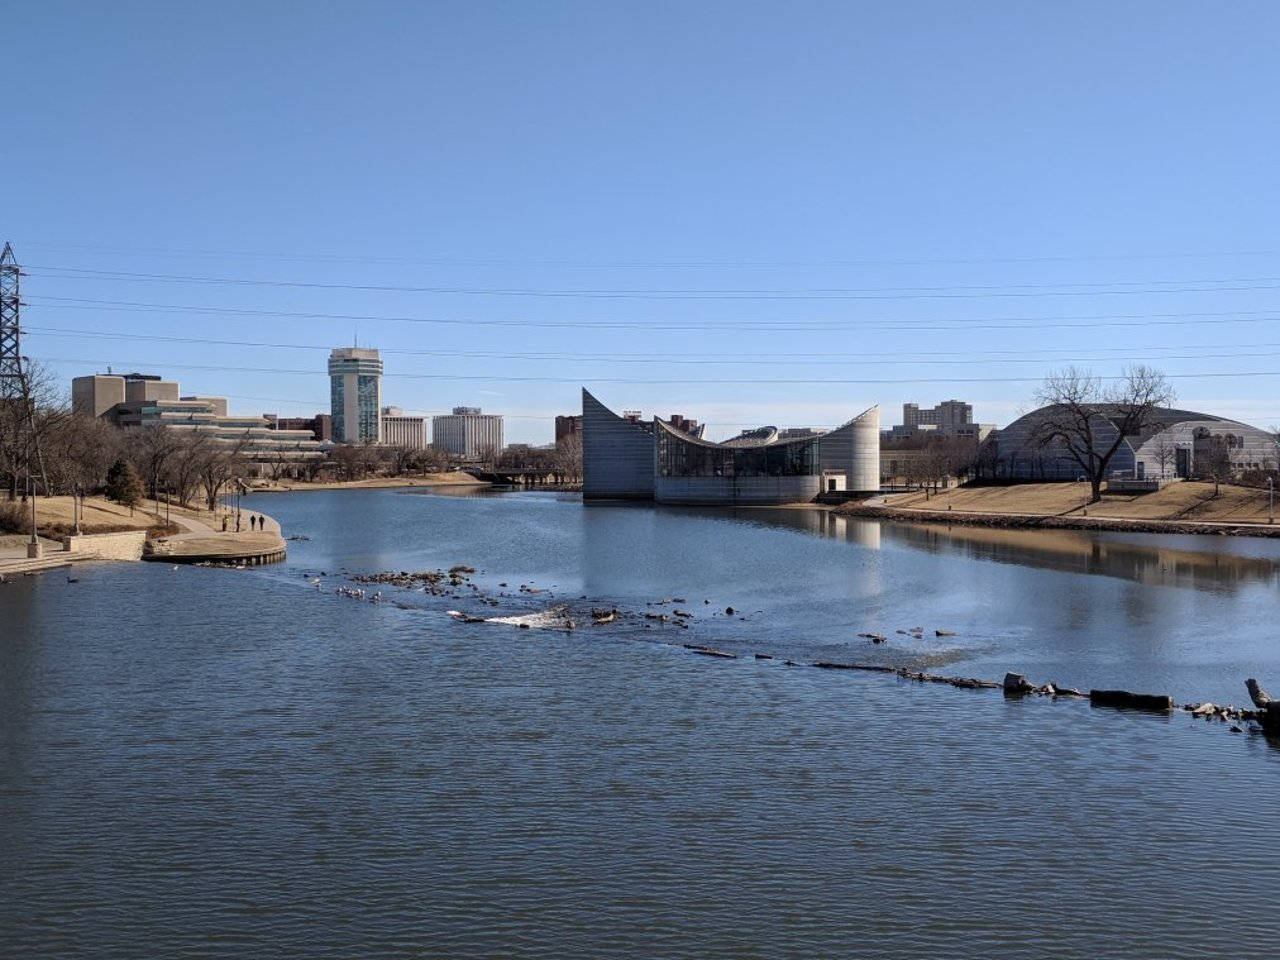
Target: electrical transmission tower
13, 379
19, 412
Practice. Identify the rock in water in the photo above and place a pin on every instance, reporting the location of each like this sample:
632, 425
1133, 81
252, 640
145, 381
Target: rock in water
1015, 685
1135, 701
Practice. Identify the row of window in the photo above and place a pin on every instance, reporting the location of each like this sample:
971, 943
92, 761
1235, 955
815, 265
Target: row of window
679, 458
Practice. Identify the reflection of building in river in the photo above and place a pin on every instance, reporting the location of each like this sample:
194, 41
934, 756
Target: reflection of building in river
625, 458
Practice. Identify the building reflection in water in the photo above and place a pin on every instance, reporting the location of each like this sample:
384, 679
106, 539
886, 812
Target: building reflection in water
1205, 563
1153, 560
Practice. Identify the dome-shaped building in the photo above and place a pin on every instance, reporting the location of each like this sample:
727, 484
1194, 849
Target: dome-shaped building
1168, 446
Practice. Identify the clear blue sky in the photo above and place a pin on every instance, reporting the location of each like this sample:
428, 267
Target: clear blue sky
1070, 160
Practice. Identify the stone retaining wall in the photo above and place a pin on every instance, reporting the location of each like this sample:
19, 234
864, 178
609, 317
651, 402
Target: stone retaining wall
106, 546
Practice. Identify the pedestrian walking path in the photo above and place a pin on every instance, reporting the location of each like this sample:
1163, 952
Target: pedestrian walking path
200, 542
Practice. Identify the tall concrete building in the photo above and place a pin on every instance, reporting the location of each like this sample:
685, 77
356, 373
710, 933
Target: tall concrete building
950, 418
355, 394
92, 396
467, 433
400, 430
947, 414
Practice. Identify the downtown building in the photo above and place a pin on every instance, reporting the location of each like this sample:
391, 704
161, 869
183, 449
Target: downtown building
355, 395
627, 458
950, 418
467, 433
137, 401
401, 430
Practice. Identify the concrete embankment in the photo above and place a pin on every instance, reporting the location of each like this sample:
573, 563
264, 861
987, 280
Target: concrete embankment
120, 545
202, 544
1026, 521
194, 541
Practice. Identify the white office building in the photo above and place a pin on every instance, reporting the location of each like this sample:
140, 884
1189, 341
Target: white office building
399, 430
467, 433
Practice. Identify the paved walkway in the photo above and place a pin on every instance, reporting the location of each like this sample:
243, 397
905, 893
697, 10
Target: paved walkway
14, 560
199, 541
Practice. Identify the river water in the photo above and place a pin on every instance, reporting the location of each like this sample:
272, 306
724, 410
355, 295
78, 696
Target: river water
202, 762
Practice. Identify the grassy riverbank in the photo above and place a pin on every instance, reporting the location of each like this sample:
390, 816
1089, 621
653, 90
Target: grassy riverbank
55, 516
1187, 507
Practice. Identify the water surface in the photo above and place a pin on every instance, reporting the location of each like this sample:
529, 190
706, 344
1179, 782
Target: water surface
204, 762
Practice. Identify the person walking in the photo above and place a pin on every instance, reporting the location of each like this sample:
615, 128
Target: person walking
224, 523
253, 521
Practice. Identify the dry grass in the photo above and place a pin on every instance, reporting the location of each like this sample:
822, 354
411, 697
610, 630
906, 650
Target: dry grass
55, 515
1188, 500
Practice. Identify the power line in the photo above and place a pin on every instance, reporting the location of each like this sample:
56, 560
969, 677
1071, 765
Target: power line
880, 293
1184, 318
894, 358
839, 381
172, 252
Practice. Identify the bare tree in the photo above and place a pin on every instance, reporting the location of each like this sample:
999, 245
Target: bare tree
150, 447
347, 460
1166, 455
79, 452
431, 460
986, 459
567, 458
371, 458
27, 423
224, 461
185, 463
402, 459
1088, 418
1213, 460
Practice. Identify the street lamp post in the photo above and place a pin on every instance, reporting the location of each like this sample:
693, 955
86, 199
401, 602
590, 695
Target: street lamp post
34, 549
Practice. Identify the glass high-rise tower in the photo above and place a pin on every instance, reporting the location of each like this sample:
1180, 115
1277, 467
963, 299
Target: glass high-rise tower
355, 394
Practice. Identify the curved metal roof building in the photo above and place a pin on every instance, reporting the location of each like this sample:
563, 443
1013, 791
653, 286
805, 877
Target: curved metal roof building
628, 459
1167, 447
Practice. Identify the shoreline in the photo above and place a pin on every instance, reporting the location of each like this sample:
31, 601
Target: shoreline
1032, 521
114, 533
374, 483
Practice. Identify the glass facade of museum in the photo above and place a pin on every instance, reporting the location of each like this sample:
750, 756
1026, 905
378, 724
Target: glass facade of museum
684, 456
627, 458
